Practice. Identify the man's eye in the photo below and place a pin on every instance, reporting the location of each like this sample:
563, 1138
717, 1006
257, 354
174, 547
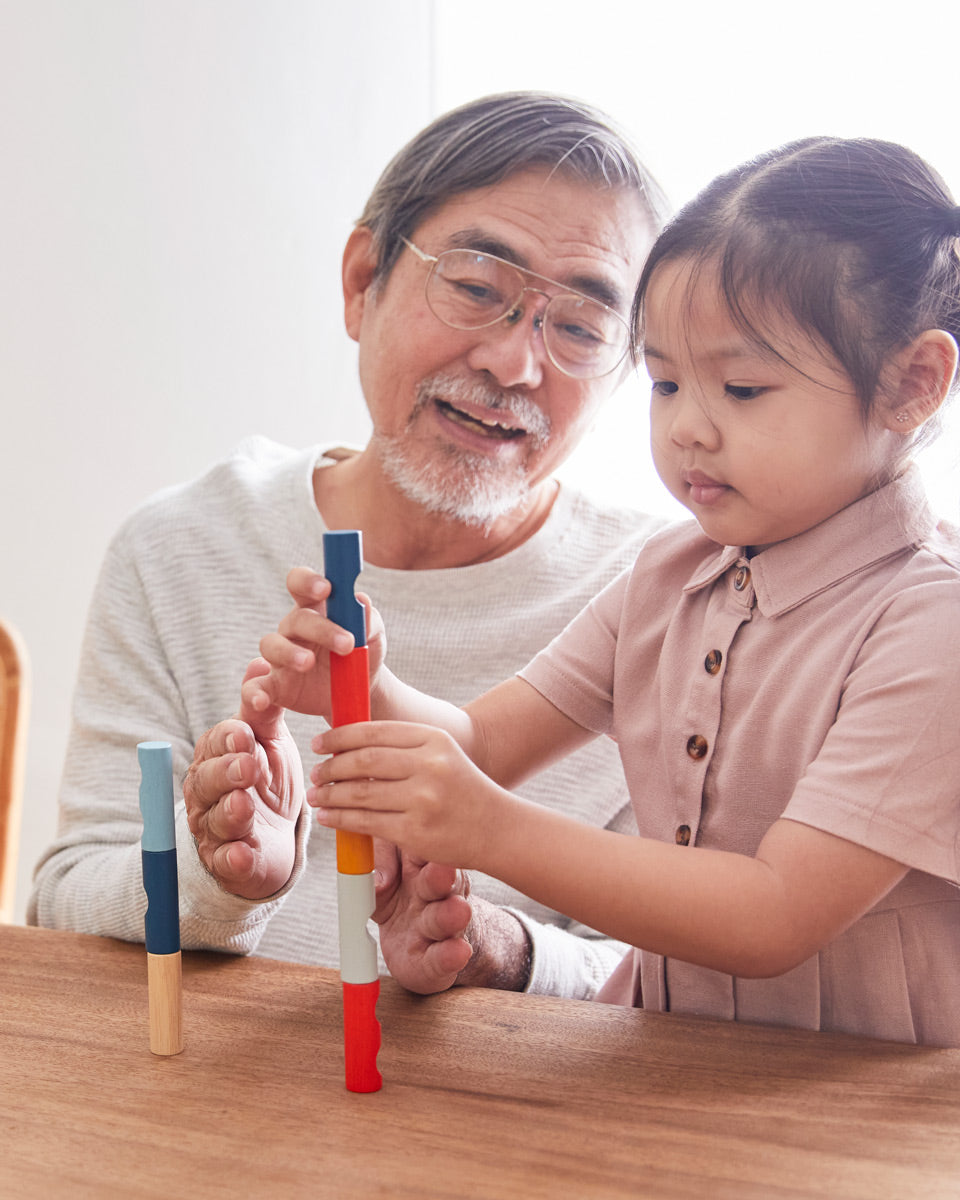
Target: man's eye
739, 392
479, 292
580, 333
664, 387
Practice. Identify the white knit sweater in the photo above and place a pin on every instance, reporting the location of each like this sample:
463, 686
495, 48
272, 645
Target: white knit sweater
190, 584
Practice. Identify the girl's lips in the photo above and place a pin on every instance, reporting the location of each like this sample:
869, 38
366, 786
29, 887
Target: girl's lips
703, 489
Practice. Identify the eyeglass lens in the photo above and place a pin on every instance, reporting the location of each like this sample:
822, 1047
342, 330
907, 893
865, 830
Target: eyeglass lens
468, 290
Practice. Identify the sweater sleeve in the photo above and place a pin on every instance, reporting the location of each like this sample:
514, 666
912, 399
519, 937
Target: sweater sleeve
90, 878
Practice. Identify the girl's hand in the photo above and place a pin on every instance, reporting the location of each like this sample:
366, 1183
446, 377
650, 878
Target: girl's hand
413, 786
298, 652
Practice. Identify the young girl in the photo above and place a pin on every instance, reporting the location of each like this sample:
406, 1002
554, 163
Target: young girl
781, 676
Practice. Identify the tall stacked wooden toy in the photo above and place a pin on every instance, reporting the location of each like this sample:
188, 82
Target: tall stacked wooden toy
350, 702
162, 921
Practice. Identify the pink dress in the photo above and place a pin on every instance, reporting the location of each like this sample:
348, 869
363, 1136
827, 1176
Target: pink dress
818, 681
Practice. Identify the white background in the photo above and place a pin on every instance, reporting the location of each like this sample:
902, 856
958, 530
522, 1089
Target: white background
703, 86
178, 180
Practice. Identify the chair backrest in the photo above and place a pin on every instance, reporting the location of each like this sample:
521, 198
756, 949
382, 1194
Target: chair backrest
14, 708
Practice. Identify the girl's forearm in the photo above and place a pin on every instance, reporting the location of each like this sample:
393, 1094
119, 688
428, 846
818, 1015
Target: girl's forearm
393, 700
479, 727
753, 917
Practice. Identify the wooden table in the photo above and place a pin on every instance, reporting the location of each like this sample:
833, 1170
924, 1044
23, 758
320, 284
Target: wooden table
486, 1094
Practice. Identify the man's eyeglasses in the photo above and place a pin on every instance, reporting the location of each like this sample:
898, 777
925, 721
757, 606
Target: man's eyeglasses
467, 289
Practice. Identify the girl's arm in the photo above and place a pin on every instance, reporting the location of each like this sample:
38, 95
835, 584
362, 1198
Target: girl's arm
753, 917
299, 679
510, 732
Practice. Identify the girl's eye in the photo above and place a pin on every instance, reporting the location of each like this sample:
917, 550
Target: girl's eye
744, 393
664, 387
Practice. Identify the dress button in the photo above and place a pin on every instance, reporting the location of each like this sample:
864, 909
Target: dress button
742, 578
683, 835
711, 664
697, 746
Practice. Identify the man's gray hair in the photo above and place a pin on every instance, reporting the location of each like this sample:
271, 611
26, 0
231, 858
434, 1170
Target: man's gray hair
484, 142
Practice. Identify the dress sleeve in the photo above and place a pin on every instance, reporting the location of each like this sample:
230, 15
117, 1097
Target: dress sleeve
887, 774
575, 671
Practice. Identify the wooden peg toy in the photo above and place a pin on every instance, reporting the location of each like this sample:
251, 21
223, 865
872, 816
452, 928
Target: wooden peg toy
350, 702
158, 853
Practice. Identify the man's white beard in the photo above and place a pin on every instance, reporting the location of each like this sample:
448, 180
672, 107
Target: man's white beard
474, 489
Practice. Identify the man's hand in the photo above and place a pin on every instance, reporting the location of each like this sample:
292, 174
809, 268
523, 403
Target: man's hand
423, 914
244, 792
432, 937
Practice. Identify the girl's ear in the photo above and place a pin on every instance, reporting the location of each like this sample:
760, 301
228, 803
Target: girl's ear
921, 376
357, 273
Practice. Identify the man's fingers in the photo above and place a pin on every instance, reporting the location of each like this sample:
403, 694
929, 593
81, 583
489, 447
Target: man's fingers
227, 737
439, 967
387, 864
445, 919
436, 881
209, 781
233, 863
231, 818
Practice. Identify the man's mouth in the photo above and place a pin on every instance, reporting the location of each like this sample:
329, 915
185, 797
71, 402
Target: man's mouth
486, 426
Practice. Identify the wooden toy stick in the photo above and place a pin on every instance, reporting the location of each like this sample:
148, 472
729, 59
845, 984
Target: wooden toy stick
350, 701
158, 854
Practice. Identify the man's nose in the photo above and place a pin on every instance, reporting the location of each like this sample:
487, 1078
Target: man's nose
512, 351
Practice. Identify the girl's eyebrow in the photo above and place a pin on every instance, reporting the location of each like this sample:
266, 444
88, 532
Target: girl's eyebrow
718, 354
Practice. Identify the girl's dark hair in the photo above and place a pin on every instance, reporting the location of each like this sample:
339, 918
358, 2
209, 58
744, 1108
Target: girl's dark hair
487, 140
853, 240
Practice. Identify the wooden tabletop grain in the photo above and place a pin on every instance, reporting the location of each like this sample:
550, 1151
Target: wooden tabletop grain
485, 1094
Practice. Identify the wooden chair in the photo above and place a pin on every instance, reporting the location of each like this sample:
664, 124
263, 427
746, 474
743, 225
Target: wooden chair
14, 707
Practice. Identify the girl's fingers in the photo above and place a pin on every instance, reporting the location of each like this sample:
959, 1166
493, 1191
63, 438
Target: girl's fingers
257, 697
307, 586
383, 764
307, 627
255, 668
401, 735
280, 652
356, 820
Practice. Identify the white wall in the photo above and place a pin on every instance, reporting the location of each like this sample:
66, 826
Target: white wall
178, 179
703, 86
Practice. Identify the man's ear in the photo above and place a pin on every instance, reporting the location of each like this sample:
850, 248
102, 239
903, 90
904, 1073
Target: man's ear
357, 273
921, 377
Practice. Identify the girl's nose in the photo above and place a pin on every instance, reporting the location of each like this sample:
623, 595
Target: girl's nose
690, 422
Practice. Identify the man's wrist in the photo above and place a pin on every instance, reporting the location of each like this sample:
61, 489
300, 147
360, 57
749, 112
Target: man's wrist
502, 950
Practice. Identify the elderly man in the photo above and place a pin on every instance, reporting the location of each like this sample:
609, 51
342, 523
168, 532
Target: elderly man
488, 285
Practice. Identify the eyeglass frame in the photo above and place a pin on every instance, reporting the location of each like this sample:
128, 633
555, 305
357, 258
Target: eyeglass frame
565, 292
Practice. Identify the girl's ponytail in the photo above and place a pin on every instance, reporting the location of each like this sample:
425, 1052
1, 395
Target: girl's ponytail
951, 222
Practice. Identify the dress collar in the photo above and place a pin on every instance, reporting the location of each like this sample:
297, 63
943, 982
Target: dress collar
879, 526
